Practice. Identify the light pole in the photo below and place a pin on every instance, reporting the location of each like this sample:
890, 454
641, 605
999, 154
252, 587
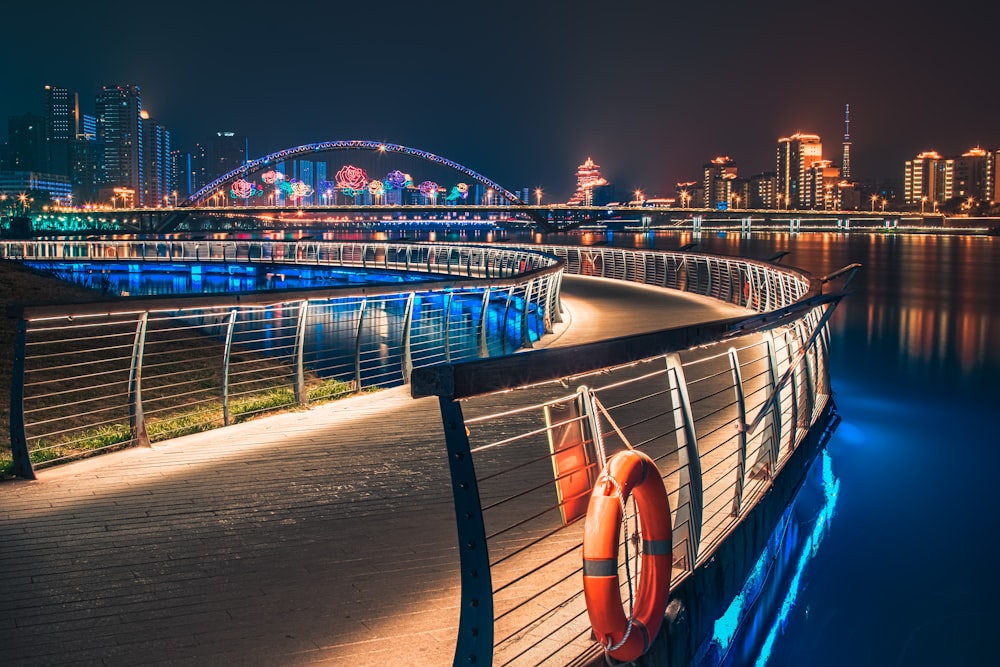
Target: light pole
883, 205
923, 202
874, 199
538, 196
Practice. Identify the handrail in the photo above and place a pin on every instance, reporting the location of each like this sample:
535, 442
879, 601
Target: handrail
73, 391
776, 367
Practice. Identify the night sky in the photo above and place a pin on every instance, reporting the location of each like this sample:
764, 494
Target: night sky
524, 91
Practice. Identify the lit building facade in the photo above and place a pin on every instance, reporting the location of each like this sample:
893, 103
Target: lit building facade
931, 178
60, 127
761, 190
157, 174
13, 183
821, 189
796, 155
718, 181
119, 127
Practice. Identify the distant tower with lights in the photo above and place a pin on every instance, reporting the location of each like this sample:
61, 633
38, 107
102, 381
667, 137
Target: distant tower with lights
845, 162
588, 177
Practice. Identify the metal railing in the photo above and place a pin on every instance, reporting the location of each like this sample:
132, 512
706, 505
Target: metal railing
89, 377
719, 406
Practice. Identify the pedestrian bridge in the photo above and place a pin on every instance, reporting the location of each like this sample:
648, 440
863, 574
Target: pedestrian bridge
330, 534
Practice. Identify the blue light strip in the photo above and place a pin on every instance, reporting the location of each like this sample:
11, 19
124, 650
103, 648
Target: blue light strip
831, 488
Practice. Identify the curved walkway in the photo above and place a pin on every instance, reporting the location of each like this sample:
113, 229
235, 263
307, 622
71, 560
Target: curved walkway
319, 537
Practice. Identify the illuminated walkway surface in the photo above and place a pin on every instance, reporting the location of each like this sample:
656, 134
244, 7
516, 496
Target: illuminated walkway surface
321, 537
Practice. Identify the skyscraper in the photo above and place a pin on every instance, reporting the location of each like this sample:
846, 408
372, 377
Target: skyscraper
119, 127
718, 178
26, 148
60, 127
795, 155
157, 174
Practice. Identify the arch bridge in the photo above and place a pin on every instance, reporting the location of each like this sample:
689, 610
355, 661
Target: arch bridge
203, 195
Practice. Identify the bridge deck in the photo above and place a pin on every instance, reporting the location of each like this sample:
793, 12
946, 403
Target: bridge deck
317, 537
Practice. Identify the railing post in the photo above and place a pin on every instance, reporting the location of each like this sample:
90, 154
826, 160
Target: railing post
407, 337
794, 382
555, 298
301, 396
690, 502
474, 644
503, 323
774, 415
136, 417
448, 298
525, 310
19, 456
741, 430
357, 345
227, 351
484, 322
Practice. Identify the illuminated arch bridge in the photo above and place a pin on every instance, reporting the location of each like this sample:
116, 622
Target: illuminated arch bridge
203, 195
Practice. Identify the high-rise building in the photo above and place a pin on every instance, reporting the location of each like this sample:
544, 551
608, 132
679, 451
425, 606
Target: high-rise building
224, 152
795, 155
718, 178
119, 127
157, 181
181, 176
26, 147
60, 126
761, 190
924, 179
821, 189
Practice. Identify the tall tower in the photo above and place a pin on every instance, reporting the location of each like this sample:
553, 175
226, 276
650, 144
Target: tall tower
845, 161
120, 128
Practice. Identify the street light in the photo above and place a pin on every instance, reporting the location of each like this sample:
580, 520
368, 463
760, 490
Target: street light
883, 205
923, 202
874, 199
538, 196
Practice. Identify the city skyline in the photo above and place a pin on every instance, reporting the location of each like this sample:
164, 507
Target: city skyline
526, 96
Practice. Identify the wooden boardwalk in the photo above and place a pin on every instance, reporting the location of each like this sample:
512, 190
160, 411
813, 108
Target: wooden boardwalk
319, 537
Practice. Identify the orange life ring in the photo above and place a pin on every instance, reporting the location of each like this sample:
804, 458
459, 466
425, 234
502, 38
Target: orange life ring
627, 473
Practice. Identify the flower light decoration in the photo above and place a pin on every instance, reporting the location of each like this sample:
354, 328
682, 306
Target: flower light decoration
429, 189
352, 180
397, 180
272, 177
377, 188
301, 189
460, 191
244, 189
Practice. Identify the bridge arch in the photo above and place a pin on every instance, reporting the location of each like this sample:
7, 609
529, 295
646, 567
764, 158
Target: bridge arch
355, 144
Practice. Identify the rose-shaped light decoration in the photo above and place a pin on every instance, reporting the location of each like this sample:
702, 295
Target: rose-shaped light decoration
301, 189
429, 189
242, 188
272, 177
377, 188
352, 178
395, 180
